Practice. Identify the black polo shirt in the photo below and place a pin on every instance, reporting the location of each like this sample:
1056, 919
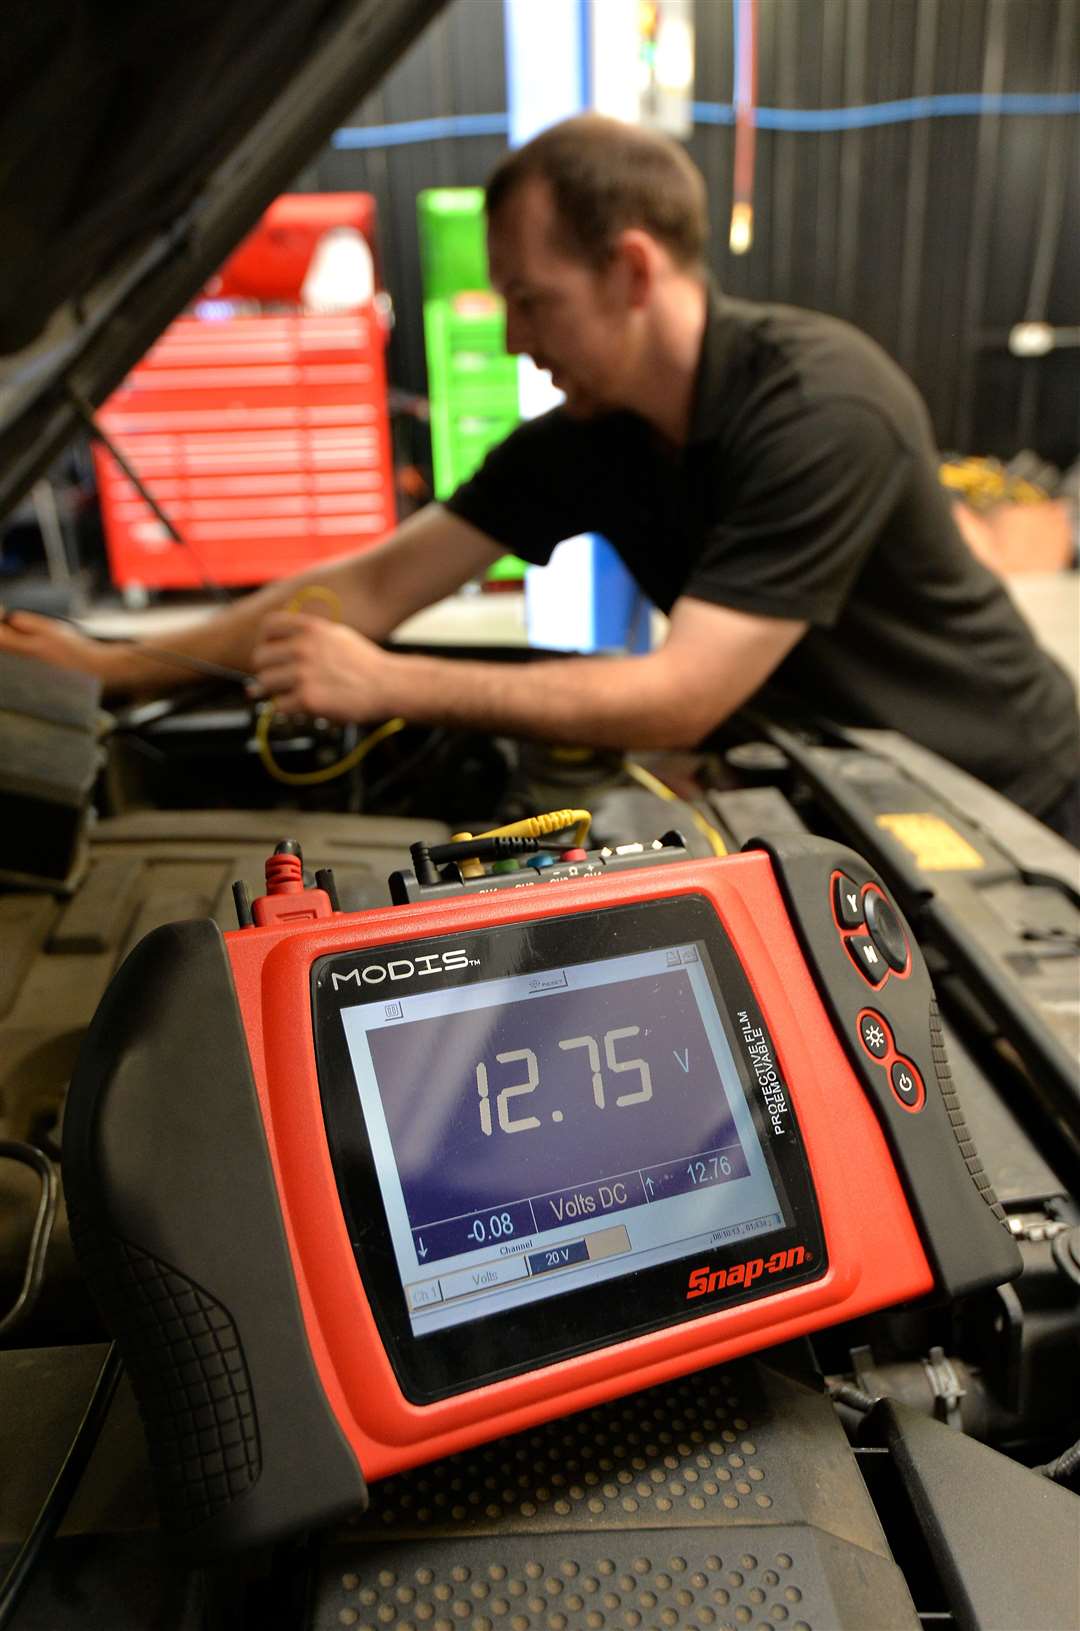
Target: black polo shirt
807, 490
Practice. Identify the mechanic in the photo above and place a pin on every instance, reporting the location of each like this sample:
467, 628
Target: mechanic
768, 476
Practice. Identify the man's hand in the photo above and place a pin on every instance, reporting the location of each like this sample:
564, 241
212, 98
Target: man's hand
28, 635
311, 666
430, 555
713, 659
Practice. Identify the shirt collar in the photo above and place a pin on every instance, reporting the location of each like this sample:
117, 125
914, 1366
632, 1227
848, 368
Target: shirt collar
721, 345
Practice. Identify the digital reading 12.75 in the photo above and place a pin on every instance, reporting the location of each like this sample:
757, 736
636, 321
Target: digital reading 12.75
521, 1124
495, 1103
556, 1128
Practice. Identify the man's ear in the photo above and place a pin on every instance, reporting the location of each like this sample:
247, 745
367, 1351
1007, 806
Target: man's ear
636, 255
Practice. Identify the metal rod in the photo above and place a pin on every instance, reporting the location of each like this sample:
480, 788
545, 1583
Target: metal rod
86, 413
982, 217
911, 261
1048, 236
52, 533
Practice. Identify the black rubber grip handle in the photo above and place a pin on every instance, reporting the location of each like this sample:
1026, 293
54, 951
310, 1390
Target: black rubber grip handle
963, 1228
183, 1351
177, 1226
957, 1119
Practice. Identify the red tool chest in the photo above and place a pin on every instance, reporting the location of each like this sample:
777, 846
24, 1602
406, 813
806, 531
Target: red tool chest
264, 437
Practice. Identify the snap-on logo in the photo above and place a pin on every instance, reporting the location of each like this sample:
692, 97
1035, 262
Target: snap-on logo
704, 1280
403, 968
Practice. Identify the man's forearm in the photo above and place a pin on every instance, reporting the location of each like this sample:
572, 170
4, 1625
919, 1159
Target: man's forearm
224, 639
227, 637
428, 556
607, 702
712, 660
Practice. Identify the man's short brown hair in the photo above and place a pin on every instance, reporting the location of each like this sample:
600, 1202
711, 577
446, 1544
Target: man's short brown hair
606, 176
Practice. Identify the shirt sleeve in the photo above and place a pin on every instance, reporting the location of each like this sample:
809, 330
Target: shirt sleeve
529, 493
798, 511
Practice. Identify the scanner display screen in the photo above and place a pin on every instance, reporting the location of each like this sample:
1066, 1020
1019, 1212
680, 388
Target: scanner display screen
543, 1132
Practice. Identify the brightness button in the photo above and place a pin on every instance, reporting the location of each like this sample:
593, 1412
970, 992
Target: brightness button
874, 1034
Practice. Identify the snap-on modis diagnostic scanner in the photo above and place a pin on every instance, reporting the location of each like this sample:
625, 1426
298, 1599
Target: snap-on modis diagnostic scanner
355, 1191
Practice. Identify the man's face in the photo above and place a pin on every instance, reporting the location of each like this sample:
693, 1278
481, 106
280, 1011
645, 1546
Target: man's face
569, 318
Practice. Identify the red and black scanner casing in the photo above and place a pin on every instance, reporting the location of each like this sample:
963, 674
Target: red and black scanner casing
208, 1215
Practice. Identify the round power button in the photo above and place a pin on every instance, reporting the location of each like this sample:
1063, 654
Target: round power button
907, 1084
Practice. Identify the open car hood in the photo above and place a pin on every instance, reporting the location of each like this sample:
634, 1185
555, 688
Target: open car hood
139, 145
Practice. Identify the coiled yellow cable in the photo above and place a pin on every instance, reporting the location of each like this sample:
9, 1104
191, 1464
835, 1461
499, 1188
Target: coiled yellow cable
540, 826
313, 778
530, 827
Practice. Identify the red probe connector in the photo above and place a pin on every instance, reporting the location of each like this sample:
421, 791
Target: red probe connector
286, 900
284, 873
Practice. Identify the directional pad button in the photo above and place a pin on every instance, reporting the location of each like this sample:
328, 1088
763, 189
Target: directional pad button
867, 959
884, 925
846, 902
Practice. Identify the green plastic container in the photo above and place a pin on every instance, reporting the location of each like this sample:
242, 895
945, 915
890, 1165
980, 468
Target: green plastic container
453, 255
472, 382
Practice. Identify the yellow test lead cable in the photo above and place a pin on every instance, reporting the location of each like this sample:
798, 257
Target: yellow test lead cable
645, 778
316, 591
314, 778
542, 826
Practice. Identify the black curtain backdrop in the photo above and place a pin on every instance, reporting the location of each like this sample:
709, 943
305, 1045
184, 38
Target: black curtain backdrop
934, 235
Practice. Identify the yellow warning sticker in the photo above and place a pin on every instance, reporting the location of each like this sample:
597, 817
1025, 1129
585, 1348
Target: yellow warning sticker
936, 846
